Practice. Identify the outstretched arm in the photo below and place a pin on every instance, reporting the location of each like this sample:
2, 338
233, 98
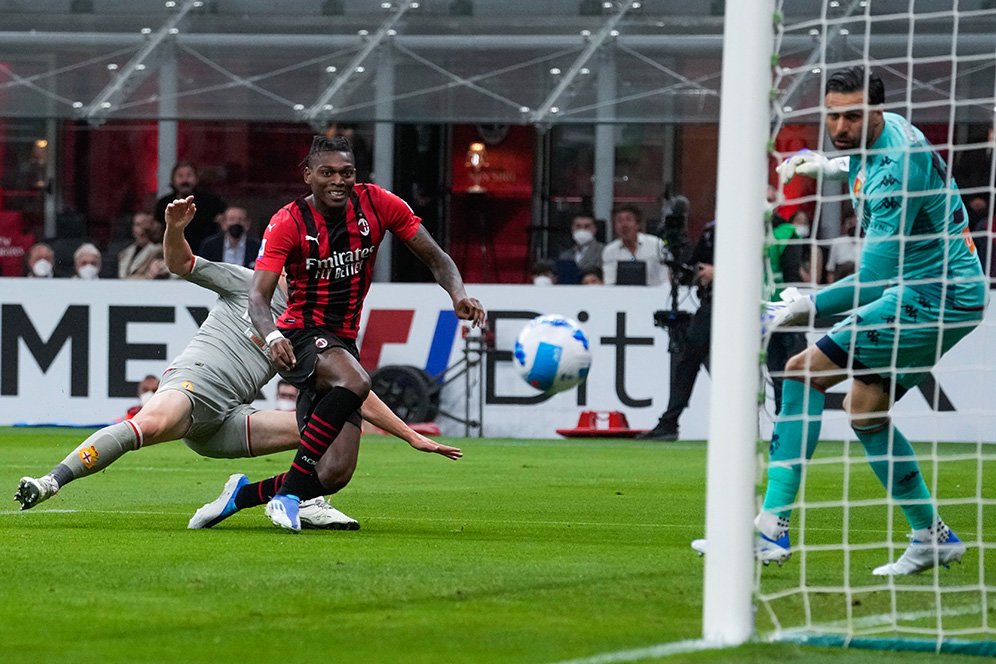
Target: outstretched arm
176, 251
447, 275
264, 283
378, 414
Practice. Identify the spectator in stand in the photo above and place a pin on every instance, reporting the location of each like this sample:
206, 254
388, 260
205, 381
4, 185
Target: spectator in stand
544, 272
232, 243
286, 396
800, 219
634, 257
86, 262
184, 181
146, 390
843, 250
586, 251
812, 256
40, 261
138, 259
592, 277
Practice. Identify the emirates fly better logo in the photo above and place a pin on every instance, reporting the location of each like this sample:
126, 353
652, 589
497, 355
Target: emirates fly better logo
340, 264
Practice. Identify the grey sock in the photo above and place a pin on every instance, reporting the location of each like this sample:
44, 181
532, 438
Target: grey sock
97, 452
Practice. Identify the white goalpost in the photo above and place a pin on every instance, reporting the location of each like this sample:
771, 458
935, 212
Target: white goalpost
727, 617
937, 60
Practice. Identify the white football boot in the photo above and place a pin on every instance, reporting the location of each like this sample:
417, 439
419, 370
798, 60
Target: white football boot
766, 550
318, 513
926, 552
221, 507
31, 491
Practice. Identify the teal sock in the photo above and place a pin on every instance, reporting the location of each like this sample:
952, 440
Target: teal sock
907, 480
784, 462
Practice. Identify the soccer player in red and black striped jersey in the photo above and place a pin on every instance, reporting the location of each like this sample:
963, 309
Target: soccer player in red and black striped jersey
327, 243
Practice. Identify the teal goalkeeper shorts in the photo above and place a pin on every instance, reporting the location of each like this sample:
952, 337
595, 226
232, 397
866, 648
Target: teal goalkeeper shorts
898, 338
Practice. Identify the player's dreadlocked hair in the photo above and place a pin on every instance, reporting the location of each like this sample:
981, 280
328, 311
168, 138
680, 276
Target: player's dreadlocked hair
325, 144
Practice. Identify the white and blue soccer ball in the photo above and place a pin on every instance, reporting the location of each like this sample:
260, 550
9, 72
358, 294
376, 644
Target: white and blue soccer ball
552, 353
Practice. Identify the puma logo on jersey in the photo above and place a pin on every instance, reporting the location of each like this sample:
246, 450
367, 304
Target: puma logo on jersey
313, 238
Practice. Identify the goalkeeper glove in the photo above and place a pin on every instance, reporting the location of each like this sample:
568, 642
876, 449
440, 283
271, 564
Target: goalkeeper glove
794, 308
812, 165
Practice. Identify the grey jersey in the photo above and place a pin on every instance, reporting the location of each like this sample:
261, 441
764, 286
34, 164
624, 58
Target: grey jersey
227, 347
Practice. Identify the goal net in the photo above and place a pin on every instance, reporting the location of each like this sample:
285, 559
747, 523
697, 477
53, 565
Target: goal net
937, 60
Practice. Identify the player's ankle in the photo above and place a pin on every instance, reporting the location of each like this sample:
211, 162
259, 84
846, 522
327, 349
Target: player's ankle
771, 525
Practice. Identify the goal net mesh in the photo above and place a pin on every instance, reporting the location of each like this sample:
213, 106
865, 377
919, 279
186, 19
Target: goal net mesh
938, 62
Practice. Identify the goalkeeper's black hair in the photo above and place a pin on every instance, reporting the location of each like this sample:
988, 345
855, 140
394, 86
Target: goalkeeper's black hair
321, 144
852, 79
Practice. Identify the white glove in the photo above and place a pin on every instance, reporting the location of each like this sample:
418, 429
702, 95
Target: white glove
812, 165
794, 308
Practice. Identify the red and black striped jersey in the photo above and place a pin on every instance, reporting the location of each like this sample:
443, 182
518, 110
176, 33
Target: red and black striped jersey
329, 261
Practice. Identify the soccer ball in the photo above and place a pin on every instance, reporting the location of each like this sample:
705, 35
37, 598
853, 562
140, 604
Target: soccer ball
551, 353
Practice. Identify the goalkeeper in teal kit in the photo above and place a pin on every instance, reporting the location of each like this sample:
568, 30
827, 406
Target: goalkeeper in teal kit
918, 290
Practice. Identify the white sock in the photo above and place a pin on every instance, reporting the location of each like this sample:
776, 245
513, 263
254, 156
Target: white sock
771, 525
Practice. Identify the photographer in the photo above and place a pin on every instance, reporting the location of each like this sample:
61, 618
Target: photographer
689, 336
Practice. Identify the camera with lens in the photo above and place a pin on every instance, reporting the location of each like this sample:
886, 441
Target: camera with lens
673, 229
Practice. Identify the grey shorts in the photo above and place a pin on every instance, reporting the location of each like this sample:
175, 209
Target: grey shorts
219, 428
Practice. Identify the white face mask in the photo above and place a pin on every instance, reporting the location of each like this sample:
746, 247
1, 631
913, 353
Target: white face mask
542, 280
286, 404
145, 396
42, 268
802, 230
583, 236
88, 272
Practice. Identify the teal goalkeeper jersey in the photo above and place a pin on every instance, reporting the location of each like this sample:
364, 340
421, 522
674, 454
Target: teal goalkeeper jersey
916, 228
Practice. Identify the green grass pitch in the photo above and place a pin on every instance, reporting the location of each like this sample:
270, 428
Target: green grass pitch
523, 551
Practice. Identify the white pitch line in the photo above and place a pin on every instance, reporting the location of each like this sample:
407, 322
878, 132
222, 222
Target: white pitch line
143, 469
455, 521
648, 652
698, 645
39, 511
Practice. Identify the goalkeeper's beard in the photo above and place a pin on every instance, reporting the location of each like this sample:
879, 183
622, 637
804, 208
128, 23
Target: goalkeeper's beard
843, 142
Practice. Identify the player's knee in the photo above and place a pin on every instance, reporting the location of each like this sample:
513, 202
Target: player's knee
152, 424
334, 478
864, 414
356, 382
865, 422
797, 365
359, 385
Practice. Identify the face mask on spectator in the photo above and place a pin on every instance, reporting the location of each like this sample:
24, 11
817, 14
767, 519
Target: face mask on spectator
236, 231
88, 272
542, 280
42, 268
802, 230
145, 396
583, 236
286, 404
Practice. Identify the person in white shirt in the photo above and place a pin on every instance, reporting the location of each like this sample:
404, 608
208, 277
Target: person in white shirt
633, 246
